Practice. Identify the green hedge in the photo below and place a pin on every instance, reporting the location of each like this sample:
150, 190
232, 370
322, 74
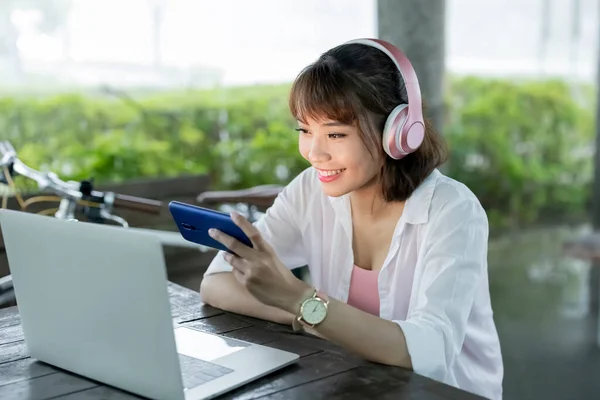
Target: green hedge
521, 147
525, 149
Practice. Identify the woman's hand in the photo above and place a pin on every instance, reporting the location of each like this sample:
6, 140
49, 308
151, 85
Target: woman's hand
260, 270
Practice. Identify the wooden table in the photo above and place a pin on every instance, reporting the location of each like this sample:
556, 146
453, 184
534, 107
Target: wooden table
324, 371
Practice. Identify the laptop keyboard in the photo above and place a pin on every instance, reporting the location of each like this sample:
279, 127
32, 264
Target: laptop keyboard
196, 372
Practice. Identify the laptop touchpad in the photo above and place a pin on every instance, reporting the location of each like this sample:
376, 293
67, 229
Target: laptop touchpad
197, 344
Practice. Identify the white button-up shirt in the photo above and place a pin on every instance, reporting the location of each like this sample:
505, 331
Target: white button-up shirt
433, 282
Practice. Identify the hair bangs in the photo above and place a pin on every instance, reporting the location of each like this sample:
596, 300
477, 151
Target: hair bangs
321, 93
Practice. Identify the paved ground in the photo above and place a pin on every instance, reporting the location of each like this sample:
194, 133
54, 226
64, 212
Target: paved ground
546, 327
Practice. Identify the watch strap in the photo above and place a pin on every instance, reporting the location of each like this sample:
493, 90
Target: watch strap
322, 295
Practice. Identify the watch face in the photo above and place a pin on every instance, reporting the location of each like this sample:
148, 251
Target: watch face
314, 311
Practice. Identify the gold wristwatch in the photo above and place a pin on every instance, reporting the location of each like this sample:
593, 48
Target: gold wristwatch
314, 309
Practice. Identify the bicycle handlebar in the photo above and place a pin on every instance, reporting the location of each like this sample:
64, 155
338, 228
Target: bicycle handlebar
50, 181
137, 204
47, 180
72, 190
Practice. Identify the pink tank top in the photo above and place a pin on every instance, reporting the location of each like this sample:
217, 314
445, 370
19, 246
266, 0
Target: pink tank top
364, 293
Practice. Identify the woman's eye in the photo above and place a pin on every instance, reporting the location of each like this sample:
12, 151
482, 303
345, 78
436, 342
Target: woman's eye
329, 135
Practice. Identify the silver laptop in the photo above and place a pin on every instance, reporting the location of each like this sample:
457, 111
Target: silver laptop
93, 300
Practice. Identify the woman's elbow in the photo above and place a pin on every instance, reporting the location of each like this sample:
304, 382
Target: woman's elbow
401, 360
398, 358
206, 290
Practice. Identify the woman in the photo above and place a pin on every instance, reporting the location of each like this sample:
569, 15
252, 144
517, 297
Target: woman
397, 251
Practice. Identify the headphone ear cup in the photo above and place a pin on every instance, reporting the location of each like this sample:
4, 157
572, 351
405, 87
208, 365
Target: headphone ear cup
392, 131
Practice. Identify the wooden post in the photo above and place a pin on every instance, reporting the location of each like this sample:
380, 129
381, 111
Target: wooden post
417, 27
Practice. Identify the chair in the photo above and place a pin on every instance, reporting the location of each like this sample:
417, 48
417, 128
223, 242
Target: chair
254, 199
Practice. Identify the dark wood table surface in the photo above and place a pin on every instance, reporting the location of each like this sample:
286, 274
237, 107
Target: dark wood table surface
324, 371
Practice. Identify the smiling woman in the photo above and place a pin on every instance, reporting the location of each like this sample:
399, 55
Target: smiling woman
397, 251
333, 97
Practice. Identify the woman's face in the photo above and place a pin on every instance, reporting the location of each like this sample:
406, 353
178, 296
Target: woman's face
338, 153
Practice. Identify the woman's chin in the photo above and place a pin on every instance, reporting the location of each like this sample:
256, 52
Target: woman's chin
341, 187
334, 190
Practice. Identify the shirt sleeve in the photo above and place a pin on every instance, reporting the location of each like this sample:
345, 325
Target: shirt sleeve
280, 227
454, 260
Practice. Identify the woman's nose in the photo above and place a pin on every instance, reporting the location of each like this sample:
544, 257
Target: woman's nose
318, 152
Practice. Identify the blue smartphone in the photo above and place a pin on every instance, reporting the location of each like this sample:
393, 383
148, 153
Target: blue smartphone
194, 222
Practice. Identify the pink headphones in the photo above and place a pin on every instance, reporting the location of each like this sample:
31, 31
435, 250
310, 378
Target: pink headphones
404, 128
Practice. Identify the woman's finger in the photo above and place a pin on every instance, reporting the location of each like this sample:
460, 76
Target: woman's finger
231, 243
240, 277
250, 230
238, 263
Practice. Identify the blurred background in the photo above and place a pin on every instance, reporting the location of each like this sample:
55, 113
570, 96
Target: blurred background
175, 99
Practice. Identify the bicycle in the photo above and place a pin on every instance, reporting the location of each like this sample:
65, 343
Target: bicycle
74, 197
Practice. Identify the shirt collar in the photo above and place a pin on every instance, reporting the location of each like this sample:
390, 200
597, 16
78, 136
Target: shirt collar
416, 209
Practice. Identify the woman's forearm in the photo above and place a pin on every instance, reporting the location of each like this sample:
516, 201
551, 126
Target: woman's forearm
373, 338
223, 291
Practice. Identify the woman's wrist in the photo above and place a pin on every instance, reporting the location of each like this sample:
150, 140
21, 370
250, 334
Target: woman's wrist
299, 292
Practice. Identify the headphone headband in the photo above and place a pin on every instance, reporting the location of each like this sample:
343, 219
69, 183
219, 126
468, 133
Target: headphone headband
406, 70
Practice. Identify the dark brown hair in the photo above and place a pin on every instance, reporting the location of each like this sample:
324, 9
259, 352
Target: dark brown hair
359, 85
